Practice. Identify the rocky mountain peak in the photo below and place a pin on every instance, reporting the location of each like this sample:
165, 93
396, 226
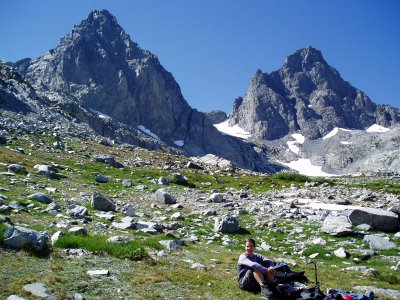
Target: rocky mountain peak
306, 95
97, 67
101, 31
304, 59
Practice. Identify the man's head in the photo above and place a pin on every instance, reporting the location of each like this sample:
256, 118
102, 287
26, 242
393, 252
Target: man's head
250, 246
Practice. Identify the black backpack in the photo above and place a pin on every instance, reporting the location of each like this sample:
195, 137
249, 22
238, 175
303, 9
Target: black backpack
311, 294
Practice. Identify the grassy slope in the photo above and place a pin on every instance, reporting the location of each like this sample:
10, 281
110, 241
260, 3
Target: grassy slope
170, 277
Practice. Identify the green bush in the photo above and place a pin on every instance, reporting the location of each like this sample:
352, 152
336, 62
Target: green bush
291, 177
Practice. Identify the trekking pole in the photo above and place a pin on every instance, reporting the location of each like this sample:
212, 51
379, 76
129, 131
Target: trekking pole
316, 275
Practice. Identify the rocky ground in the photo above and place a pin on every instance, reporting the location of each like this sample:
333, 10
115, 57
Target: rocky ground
190, 215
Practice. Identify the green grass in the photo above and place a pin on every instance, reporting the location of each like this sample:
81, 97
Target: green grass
385, 185
98, 244
2, 229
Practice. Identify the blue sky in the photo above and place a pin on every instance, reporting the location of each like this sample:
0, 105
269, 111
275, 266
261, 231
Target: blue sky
214, 47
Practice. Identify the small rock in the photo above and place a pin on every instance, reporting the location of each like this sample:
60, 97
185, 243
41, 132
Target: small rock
98, 272
38, 289
101, 179
341, 253
78, 229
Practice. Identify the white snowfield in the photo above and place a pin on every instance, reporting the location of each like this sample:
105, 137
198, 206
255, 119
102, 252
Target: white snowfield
148, 132
334, 132
377, 128
179, 143
305, 167
232, 130
299, 139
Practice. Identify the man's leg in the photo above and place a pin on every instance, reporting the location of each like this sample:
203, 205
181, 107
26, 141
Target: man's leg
266, 283
249, 282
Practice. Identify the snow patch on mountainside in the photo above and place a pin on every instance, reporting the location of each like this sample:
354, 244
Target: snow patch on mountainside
179, 143
299, 139
148, 132
377, 128
232, 130
334, 132
305, 167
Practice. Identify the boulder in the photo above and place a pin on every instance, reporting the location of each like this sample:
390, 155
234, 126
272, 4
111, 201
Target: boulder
54, 238
107, 159
101, 179
41, 197
22, 238
337, 225
390, 293
125, 223
129, 210
17, 169
226, 224
377, 242
78, 230
127, 183
341, 253
377, 218
77, 211
172, 244
39, 290
163, 181
47, 171
102, 203
217, 198
163, 196
178, 178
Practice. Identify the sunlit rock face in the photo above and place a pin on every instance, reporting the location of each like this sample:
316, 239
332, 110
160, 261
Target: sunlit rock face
306, 95
98, 67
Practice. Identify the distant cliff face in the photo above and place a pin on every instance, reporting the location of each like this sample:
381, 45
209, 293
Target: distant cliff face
306, 95
98, 67
104, 70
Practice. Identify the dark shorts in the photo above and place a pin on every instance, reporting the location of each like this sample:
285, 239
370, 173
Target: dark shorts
249, 283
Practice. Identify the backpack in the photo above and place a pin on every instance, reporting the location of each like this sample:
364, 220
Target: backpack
341, 294
311, 294
283, 274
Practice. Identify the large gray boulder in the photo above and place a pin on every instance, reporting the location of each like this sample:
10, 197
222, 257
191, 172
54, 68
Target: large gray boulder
17, 169
163, 196
337, 225
107, 159
41, 197
226, 224
377, 242
17, 237
102, 203
39, 290
377, 218
77, 211
47, 171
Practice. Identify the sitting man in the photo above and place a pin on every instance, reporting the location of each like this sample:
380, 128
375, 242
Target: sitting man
255, 272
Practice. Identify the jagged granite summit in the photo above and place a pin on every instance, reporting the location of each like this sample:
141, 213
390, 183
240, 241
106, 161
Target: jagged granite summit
309, 96
97, 67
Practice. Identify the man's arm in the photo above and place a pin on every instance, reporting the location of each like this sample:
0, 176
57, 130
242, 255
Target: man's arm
243, 260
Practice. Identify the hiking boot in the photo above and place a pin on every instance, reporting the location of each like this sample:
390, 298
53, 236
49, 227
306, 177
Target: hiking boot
265, 291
